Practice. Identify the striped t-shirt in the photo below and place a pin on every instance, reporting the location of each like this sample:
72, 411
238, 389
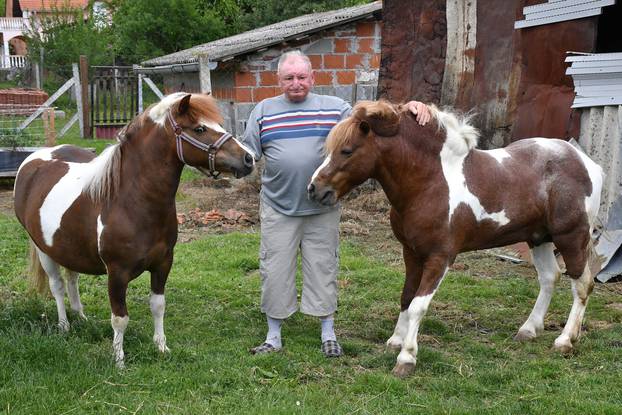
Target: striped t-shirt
291, 137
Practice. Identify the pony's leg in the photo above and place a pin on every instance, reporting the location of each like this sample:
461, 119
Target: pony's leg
434, 270
576, 251
74, 294
411, 284
57, 286
158, 304
117, 290
548, 273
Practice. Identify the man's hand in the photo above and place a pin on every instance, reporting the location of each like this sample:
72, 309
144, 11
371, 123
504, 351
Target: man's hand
420, 110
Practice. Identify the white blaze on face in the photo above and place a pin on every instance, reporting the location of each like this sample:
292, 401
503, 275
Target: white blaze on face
453, 170
317, 171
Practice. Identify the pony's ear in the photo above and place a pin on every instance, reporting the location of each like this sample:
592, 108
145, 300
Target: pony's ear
382, 118
364, 126
184, 105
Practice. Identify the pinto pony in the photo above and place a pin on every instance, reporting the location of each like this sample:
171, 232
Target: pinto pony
115, 214
448, 197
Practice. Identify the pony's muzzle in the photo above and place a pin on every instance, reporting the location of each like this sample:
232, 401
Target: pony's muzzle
325, 196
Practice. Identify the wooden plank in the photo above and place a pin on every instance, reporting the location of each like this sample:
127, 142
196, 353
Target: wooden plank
560, 18
153, 87
84, 85
67, 126
594, 57
78, 95
47, 103
570, 9
555, 5
601, 69
140, 93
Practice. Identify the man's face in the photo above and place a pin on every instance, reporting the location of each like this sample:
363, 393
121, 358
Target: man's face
295, 79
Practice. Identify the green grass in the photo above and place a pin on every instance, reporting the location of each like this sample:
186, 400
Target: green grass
467, 360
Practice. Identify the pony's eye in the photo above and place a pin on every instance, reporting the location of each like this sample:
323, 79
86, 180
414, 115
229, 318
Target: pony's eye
346, 152
200, 129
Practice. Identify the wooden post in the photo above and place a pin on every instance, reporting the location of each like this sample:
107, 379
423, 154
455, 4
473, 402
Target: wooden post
204, 74
78, 95
84, 85
48, 125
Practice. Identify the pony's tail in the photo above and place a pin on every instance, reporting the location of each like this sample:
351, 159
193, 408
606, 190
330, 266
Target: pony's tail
38, 277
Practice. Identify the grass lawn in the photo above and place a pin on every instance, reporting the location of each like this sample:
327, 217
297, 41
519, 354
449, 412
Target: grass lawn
467, 363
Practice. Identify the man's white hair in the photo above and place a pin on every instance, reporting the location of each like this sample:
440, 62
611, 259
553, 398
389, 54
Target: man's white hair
293, 54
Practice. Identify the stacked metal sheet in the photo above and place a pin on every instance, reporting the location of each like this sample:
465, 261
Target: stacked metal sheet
560, 10
597, 78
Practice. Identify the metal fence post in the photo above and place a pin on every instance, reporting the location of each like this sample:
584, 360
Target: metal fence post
78, 95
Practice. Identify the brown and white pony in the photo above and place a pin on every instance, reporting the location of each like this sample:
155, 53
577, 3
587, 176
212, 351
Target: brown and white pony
448, 197
115, 213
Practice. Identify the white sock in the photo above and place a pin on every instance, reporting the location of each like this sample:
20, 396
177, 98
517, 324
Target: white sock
274, 332
328, 328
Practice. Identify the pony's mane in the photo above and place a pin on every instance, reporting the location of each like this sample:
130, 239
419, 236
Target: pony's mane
201, 106
105, 174
341, 134
462, 137
381, 114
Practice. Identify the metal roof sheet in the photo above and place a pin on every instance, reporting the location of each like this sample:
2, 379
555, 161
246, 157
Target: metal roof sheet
223, 49
560, 10
597, 78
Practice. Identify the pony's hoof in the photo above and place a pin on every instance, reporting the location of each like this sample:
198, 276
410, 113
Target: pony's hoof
394, 343
160, 342
524, 335
402, 370
120, 364
163, 348
63, 326
83, 316
563, 346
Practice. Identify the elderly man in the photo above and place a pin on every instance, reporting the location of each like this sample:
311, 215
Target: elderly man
289, 130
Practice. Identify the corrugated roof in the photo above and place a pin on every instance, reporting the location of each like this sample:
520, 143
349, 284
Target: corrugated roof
555, 11
46, 5
597, 79
268, 35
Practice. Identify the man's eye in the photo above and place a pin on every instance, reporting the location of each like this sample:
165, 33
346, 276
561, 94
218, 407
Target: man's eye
200, 129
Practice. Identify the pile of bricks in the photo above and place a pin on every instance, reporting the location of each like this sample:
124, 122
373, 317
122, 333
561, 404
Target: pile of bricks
23, 96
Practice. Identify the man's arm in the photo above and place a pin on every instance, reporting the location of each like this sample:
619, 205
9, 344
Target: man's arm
251, 136
420, 110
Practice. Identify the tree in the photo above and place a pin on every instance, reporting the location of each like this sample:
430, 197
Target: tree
65, 35
149, 28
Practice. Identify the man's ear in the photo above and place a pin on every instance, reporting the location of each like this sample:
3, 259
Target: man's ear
184, 105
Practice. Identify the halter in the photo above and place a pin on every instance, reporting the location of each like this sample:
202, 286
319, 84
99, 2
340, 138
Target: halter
211, 149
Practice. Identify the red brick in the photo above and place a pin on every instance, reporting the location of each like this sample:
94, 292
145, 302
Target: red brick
346, 77
316, 61
265, 92
342, 45
243, 95
354, 61
245, 79
365, 28
334, 61
268, 78
374, 62
323, 78
366, 46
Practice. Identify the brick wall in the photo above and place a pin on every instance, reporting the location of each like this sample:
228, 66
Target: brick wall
341, 58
